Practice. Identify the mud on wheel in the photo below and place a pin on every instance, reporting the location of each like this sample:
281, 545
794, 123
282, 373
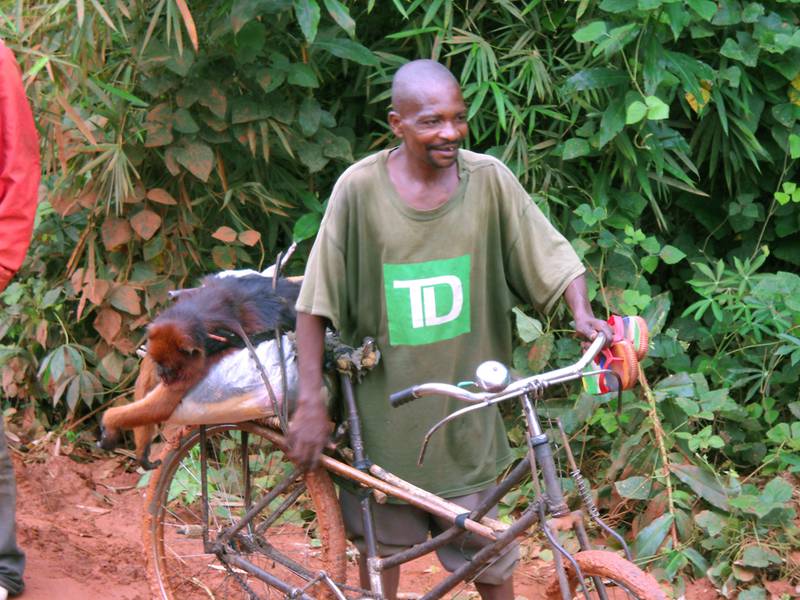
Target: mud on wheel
295, 536
620, 578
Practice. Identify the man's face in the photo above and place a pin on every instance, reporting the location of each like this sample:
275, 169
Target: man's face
432, 125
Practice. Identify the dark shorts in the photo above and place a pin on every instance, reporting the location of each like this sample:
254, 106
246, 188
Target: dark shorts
400, 526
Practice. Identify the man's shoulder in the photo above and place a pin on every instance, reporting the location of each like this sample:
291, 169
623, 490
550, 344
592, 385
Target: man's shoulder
363, 170
475, 162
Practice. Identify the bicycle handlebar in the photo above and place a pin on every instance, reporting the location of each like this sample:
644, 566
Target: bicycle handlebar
516, 388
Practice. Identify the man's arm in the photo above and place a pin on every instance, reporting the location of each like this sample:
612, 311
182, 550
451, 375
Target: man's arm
586, 325
309, 429
19, 168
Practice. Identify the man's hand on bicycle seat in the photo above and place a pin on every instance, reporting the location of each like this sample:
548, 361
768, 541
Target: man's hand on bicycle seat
309, 431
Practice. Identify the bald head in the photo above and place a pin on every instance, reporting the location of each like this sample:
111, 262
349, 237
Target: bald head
414, 81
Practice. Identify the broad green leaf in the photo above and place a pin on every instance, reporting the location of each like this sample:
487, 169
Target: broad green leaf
757, 556
743, 49
182, 121
752, 12
656, 108
250, 42
777, 491
671, 255
341, 15
635, 488
794, 145
649, 263
307, 13
309, 116
528, 328
704, 8
197, 157
310, 155
306, 226
703, 483
651, 537
712, 522
349, 50
540, 352
617, 6
302, 75
575, 147
245, 11
755, 592
635, 112
590, 32
612, 122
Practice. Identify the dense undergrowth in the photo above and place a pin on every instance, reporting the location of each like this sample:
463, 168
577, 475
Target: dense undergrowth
661, 136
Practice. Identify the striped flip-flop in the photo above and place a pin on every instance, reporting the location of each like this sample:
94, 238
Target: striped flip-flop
633, 329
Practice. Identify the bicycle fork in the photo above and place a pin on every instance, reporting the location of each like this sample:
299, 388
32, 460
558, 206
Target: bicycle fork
541, 453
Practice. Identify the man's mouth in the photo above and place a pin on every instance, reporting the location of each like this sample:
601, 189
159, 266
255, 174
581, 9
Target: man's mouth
446, 148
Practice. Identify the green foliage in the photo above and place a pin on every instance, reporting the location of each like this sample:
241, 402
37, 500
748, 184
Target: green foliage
660, 136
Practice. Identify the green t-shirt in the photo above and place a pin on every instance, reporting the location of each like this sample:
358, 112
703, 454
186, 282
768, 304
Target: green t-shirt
435, 289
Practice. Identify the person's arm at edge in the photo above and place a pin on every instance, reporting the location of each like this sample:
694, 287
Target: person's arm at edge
586, 324
309, 428
19, 168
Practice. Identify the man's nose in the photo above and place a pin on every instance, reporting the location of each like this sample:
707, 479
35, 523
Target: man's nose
450, 132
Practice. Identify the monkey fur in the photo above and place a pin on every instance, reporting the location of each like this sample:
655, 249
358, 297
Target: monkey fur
183, 344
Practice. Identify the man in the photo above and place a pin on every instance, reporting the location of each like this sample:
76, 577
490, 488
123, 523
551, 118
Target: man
19, 182
426, 248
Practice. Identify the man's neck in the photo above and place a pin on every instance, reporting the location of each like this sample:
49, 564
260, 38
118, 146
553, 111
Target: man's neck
420, 185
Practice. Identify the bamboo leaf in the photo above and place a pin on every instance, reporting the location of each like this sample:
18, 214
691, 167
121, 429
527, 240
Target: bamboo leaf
341, 15
188, 22
79, 123
307, 13
103, 14
349, 50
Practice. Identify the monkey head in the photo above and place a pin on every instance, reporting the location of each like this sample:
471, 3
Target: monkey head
178, 349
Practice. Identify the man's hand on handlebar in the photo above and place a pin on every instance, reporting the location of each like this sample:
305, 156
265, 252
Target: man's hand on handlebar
588, 327
309, 431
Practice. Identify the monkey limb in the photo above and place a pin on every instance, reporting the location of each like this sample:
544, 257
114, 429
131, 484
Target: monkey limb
155, 402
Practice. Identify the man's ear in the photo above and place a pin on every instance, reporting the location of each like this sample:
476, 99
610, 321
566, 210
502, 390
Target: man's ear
396, 123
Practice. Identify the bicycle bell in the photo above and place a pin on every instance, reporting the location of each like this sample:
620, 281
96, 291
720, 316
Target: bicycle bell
492, 376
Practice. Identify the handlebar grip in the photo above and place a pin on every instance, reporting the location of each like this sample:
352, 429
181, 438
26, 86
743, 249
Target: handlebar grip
403, 397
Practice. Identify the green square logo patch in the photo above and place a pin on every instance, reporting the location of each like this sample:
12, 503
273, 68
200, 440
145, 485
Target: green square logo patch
427, 302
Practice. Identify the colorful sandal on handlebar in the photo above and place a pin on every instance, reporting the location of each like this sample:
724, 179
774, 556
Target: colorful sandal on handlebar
629, 346
634, 329
620, 358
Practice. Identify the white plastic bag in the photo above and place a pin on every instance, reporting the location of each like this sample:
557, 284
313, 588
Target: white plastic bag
234, 391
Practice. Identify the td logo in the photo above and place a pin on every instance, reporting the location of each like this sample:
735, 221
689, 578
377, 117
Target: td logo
427, 302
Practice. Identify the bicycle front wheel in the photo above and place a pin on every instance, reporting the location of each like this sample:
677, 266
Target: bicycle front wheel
621, 579
297, 535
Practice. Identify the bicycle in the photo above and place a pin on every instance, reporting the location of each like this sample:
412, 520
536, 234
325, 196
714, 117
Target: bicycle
229, 516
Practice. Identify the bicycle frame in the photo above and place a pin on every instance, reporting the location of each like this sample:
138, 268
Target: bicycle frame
540, 460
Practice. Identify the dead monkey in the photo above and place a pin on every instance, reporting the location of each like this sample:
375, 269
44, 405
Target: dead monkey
185, 341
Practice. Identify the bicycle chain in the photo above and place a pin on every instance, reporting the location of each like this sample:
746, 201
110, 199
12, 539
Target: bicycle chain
239, 578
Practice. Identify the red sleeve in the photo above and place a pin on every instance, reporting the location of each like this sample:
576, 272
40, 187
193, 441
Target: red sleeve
19, 168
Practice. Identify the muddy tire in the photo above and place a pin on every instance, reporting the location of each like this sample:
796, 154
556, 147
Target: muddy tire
621, 578
298, 534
